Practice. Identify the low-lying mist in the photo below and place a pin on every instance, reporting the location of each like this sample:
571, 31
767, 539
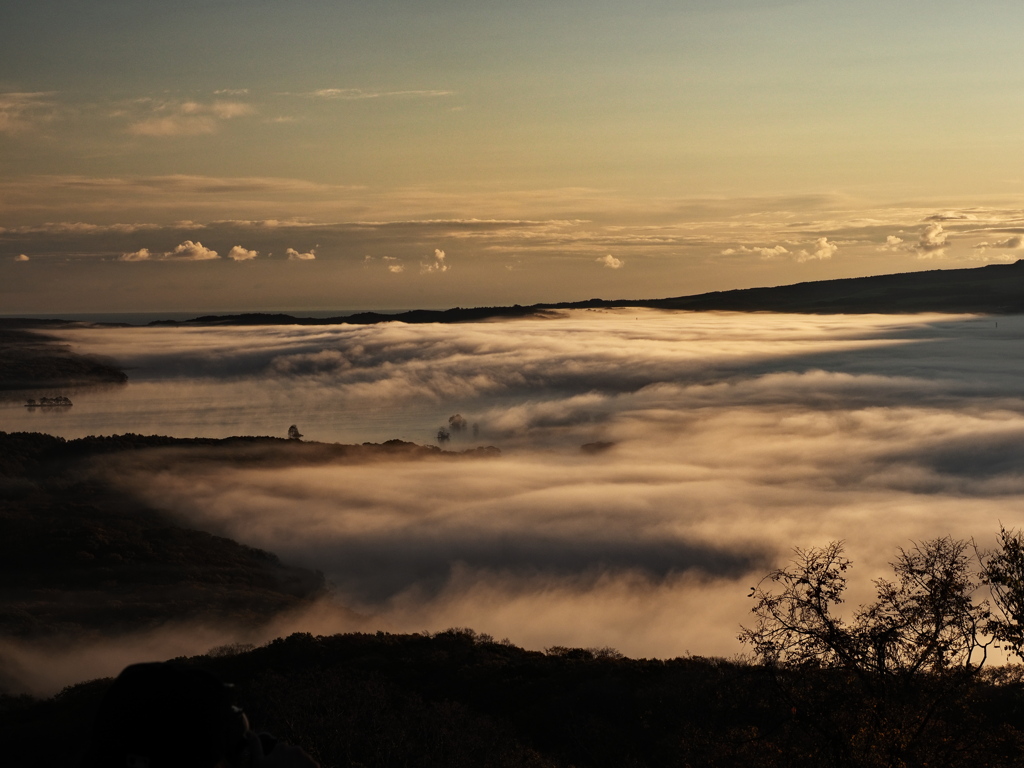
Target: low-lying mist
724, 440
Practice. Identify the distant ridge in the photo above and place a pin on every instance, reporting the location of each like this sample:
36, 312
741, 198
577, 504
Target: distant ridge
993, 289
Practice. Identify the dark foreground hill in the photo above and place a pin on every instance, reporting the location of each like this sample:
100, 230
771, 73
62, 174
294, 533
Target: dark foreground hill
992, 289
460, 700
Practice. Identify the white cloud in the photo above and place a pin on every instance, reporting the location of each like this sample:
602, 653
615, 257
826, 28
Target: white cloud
294, 255
191, 251
437, 265
186, 251
822, 249
933, 242
764, 253
21, 257
238, 253
396, 268
143, 254
893, 243
1014, 243
610, 261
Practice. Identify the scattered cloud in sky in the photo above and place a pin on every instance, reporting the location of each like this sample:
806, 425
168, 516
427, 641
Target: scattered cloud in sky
933, 242
21, 257
238, 253
437, 264
611, 262
892, 243
952, 216
294, 255
21, 111
821, 249
143, 254
1014, 243
191, 251
554, 253
184, 118
764, 252
226, 110
186, 251
174, 125
354, 94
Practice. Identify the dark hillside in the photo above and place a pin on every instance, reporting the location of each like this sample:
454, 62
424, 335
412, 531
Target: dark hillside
992, 289
30, 359
76, 556
459, 699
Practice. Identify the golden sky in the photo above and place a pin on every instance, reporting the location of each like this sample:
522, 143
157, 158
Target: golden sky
256, 154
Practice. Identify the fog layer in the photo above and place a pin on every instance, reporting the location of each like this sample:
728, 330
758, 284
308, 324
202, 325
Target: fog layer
727, 439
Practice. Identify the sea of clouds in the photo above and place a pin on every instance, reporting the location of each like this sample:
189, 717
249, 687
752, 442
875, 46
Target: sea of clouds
726, 439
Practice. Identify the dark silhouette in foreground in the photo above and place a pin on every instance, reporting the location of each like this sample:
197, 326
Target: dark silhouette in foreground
892, 667
457, 699
167, 715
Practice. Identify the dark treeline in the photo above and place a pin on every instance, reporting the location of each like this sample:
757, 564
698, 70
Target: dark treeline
459, 699
34, 455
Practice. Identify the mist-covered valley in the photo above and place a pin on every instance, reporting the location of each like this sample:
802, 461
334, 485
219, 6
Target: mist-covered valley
653, 465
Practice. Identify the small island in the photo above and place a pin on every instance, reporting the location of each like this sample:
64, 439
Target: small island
49, 402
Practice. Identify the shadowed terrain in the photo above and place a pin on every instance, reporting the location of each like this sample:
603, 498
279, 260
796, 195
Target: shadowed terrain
31, 359
79, 557
460, 699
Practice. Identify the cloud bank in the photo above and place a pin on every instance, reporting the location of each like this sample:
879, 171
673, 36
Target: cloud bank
728, 439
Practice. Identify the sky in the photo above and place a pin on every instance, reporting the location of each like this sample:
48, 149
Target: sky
317, 155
